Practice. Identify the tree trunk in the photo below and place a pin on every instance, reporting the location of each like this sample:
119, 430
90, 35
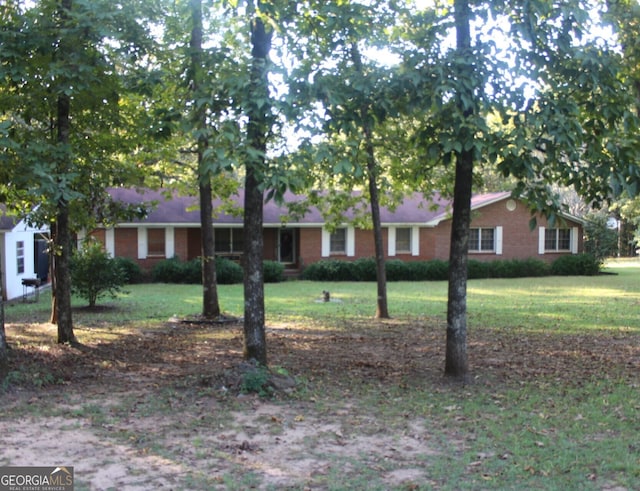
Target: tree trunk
456, 362
62, 258
4, 348
255, 344
62, 236
382, 310
210, 303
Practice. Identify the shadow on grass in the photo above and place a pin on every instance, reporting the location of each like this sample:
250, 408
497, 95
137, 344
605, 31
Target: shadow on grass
401, 353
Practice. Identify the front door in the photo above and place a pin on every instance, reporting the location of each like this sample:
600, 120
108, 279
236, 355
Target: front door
286, 246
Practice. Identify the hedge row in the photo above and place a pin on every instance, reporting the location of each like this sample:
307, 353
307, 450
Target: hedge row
227, 272
438, 270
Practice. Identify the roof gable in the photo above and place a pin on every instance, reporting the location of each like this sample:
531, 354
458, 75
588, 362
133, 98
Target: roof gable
477, 201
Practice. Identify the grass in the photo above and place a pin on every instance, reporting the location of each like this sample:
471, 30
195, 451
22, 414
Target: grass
557, 430
553, 303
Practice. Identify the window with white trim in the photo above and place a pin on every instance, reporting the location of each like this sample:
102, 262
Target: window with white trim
338, 241
228, 240
557, 239
482, 240
20, 256
403, 240
156, 242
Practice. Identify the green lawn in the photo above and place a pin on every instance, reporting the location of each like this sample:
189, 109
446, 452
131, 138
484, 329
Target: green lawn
555, 405
566, 304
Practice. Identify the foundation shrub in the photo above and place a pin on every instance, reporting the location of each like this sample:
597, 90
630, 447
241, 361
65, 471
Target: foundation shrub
365, 269
131, 269
330, 270
190, 272
576, 265
273, 272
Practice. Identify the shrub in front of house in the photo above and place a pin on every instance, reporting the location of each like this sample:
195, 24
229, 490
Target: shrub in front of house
435, 270
131, 270
533, 267
273, 272
330, 270
477, 270
228, 272
169, 271
190, 272
517, 268
397, 270
94, 273
576, 265
365, 269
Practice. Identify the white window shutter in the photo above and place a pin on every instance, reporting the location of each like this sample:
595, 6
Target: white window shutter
499, 240
541, 235
326, 243
415, 241
169, 243
351, 242
391, 241
142, 243
574, 240
110, 241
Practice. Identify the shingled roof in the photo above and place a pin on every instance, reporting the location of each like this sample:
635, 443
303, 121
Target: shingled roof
6, 222
183, 210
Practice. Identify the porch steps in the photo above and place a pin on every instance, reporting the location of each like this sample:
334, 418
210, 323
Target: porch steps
292, 273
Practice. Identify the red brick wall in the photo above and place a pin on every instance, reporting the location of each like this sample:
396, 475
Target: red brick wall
181, 243
518, 240
194, 239
310, 246
365, 246
270, 243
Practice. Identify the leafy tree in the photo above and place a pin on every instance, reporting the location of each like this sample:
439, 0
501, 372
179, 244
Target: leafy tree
210, 303
600, 240
624, 17
468, 84
61, 68
258, 111
351, 106
628, 211
94, 273
565, 117
200, 111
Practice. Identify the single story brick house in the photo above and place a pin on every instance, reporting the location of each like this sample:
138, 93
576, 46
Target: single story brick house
23, 255
417, 229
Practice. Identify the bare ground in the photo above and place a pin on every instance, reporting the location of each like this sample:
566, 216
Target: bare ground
161, 408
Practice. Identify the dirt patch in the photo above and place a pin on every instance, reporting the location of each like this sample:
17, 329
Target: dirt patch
165, 408
100, 463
